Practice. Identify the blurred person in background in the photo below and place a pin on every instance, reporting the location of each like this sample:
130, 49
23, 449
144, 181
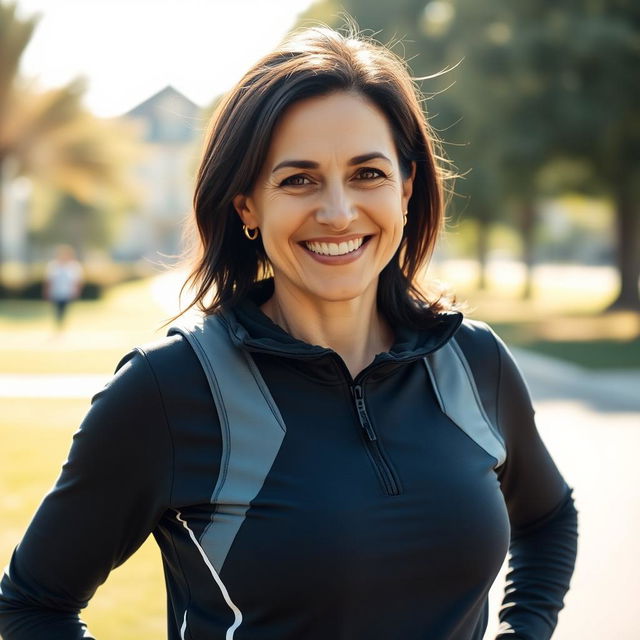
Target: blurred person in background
63, 282
326, 451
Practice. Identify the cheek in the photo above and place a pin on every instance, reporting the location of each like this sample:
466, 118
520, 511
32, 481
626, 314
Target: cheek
386, 213
384, 201
278, 229
394, 229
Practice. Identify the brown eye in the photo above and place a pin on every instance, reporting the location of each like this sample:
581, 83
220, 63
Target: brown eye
369, 173
295, 181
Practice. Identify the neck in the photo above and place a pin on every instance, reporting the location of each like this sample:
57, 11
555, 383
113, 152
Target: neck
354, 328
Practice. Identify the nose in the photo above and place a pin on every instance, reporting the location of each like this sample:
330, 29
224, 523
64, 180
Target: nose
336, 211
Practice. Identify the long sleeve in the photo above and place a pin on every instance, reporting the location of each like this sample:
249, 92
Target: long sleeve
542, 515
112, 491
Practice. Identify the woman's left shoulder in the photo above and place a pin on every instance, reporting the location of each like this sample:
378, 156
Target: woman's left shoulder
485, 352
476, 336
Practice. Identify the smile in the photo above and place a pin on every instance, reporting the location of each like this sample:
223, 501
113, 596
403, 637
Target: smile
334, 248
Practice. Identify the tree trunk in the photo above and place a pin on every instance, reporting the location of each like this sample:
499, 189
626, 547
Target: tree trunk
482, 247
627, 250
2, 203
527, 233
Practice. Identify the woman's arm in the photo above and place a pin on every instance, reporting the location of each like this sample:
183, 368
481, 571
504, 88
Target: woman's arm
542, 514
112, 491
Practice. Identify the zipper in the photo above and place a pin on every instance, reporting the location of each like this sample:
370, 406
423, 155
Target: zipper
373, 446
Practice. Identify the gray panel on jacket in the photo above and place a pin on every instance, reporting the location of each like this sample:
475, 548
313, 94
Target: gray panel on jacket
251, 425
459, 399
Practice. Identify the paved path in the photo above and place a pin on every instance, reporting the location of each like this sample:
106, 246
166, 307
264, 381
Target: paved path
27, 385
591, 424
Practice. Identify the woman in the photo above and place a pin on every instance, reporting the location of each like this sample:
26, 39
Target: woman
326, 454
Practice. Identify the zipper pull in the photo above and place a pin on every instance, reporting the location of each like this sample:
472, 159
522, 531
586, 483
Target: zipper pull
362, 412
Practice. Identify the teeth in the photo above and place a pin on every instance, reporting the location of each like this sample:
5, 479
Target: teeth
334, 248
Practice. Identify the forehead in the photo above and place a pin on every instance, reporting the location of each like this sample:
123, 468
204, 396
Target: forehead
336, 125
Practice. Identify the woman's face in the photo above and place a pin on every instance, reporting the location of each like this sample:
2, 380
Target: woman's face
330, 198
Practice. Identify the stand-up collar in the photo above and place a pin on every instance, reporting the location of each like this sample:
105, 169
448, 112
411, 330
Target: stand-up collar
252, 330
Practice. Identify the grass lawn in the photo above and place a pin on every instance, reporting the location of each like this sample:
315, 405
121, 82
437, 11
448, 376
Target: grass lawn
98, 332
35, 436
603, 354
607, 341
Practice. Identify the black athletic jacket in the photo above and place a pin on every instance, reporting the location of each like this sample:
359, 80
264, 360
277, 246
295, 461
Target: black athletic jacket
379, 518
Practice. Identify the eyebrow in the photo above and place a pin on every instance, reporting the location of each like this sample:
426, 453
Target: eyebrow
309, 164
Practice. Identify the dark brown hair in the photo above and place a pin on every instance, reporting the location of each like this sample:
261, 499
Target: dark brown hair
313, 62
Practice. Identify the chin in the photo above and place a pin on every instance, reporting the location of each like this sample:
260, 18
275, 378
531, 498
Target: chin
339, 292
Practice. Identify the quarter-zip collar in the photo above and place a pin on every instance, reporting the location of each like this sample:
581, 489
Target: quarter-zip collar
250, 329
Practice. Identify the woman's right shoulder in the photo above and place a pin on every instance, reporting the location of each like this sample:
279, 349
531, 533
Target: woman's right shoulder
168, 365
171, 353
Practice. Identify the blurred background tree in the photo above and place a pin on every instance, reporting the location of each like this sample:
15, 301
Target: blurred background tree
536, 100
71, 157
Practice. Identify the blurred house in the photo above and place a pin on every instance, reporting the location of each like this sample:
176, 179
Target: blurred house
171, 129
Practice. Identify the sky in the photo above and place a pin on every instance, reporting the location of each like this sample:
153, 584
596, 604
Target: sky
130, 49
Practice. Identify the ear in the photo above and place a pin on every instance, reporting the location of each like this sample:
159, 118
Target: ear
407, 187
245, 208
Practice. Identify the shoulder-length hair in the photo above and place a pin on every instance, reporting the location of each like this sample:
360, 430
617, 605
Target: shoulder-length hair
313, 62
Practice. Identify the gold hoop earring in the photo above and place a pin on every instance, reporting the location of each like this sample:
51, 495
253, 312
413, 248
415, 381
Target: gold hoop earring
404, 215
248, 232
